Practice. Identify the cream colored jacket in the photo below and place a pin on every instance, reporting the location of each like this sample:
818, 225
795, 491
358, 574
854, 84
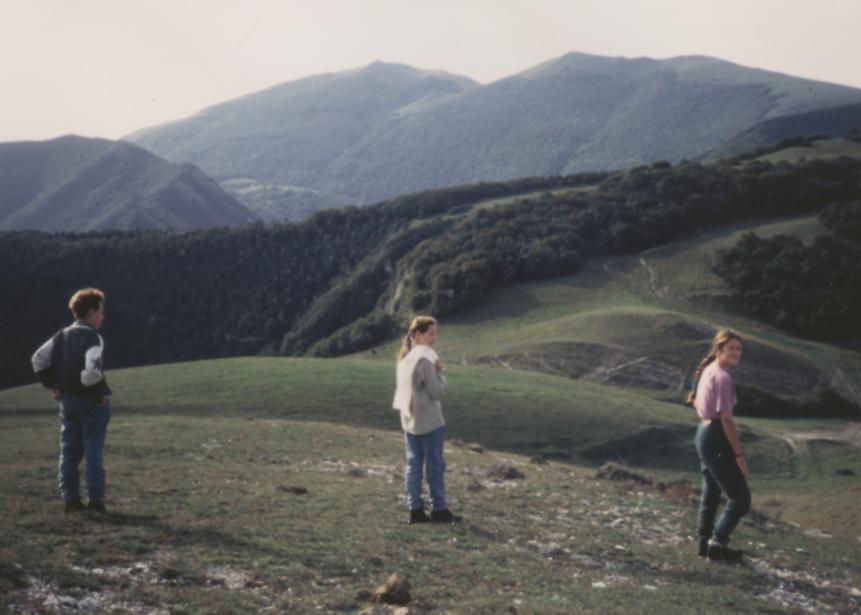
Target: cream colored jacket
420, 386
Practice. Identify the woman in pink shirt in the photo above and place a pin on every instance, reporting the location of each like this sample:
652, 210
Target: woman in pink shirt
722, 459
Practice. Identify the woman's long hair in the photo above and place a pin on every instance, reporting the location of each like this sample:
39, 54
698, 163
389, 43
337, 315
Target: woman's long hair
420, 324
721, 339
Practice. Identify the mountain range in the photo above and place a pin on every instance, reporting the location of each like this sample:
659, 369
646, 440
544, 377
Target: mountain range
359, 136
388, 129
79, 184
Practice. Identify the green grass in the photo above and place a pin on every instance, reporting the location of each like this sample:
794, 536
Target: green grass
201, 457
826, 149
528, 412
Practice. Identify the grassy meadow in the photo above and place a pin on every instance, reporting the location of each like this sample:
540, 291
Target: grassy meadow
207, 462
275, 484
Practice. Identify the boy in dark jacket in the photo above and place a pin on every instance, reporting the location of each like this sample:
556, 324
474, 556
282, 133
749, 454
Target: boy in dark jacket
70, 364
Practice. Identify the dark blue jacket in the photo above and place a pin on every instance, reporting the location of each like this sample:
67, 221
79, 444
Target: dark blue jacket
72, 361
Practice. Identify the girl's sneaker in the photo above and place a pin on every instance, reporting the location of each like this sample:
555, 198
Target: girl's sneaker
96, 506
445, 516
418, 516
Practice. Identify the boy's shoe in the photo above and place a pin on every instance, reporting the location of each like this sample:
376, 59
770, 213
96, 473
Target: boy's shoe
704, 547
418, 516
96, 506
73, 507
723, 553
445, 516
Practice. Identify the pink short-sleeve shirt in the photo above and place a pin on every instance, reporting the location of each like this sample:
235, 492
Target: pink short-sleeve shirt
715, 392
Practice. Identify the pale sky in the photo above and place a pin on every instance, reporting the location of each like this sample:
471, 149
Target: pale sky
105, 68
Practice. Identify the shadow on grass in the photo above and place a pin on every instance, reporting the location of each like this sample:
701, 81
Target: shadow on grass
652, 447
183, 535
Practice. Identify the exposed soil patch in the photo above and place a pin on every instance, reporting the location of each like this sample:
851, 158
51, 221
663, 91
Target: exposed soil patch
668, 445
594, 362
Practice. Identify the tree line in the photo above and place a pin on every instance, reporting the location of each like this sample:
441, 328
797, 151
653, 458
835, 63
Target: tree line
347, 279
810, 290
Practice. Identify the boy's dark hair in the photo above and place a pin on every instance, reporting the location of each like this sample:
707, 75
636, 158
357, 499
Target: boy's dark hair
85, 300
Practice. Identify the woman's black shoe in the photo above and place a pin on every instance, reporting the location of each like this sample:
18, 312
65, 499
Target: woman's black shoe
96, 506
722, 553
418, 516
444, 516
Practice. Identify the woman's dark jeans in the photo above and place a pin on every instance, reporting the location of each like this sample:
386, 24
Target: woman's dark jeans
720, 474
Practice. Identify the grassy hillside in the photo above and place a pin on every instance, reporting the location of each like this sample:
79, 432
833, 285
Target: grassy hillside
75, 184
275, 202
643, 322
834, 121
825, 149
207, 462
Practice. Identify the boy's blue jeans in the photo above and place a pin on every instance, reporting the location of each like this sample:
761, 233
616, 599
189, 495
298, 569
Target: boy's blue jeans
720, 474
425, 450
83, 427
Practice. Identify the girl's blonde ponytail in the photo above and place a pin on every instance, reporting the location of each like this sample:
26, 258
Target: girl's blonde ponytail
406, 345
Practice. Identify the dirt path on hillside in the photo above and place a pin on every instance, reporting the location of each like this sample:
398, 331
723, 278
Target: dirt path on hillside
849, 434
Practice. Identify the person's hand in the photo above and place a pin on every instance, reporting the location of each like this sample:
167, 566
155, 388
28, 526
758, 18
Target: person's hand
438, 365
741, 460
55, 393
105, 401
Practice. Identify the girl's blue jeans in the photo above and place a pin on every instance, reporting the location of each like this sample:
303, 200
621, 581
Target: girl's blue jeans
425, 451
83, 427
720, 475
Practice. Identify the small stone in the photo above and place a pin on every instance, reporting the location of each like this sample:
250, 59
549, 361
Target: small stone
363, 595
295, 490
356, 472
816, 533
504, 472
475, 448
616, 472
474, 486
396, 590
599, 585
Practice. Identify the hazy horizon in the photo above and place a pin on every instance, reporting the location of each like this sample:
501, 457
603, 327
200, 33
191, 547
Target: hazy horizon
106, 69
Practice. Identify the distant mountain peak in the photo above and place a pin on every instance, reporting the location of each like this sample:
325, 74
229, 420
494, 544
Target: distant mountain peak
74, 183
